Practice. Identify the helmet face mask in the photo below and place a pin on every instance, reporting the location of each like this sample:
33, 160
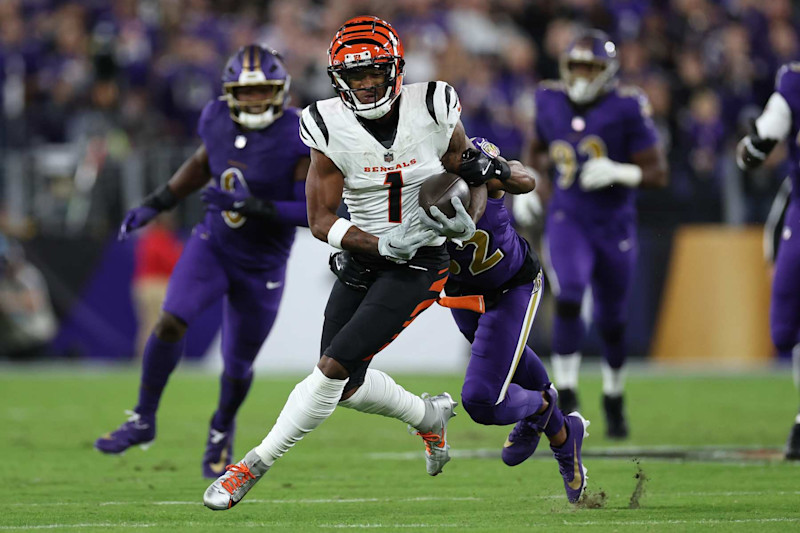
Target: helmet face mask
588, 66
366, 66
256, 85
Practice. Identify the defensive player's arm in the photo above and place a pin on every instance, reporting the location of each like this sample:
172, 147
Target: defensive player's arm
647, 169
653, 163
192, 175
521, 181
766, 131
324, 187
292, 212
459, 143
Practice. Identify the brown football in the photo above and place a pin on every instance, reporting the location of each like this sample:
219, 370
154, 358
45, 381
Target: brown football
439, 189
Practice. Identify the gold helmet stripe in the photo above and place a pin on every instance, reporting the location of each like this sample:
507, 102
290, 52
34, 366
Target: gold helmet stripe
246, 59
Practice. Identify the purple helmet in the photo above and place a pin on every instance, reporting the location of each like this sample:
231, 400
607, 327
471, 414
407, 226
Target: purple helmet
592, 49
256, 66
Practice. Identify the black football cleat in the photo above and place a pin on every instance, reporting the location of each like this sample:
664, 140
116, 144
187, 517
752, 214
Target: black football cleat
616, 425
793, 444
568, 400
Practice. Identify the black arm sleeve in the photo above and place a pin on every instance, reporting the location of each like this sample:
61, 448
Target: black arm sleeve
161, 199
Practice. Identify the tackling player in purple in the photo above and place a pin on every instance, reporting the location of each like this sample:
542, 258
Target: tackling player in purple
781, 120
506, 382
602, 145
253, 152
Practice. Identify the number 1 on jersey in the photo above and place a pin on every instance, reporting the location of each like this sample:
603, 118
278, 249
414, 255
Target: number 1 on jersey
395, 182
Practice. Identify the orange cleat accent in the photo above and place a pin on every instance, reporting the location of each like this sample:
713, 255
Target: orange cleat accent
237, 481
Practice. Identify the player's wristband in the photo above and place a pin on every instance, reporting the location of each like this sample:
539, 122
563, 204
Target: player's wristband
161, 199
337, 232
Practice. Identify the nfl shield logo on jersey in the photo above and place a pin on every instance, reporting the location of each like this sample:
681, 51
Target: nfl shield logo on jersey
388, 157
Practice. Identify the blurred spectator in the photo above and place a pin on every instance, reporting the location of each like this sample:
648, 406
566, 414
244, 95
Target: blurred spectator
157, 252
27, 322
703, 138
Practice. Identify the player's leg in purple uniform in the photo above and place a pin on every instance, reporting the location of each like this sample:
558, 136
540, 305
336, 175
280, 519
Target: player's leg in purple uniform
248, 314
615, 261
570, 259
197, 281
507, 383
785, 307
498, 347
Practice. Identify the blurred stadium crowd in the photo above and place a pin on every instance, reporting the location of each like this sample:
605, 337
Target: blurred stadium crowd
134, 72
108, 79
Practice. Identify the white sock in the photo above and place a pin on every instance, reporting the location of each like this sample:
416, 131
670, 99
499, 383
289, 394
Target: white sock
613, 380
311, 402
565, 370
796, 366
381, 395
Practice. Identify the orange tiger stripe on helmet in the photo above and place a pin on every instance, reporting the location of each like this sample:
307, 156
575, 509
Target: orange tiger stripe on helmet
361, 42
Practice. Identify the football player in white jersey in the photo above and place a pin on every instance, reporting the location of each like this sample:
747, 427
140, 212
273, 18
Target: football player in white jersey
373, 145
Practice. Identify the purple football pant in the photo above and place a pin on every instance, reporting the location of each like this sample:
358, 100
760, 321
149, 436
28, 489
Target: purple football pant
504, 377
202, 276
601, 254
784, 313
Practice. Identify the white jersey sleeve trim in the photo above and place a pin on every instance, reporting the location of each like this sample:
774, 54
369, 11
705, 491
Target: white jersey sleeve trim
776, 120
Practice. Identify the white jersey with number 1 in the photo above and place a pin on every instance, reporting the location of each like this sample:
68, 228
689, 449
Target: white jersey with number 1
381, 185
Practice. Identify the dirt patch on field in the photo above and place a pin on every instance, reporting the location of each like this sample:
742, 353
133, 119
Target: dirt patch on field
641, 482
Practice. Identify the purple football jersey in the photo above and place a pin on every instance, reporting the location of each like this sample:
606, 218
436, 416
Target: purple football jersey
616, 126
787, 83
493, 255
264, 162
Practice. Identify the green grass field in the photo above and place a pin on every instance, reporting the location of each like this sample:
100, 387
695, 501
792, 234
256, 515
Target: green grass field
365, 472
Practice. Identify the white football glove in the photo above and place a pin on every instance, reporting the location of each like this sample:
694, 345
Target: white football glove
401, 243
527, 208
460, 227
602, 172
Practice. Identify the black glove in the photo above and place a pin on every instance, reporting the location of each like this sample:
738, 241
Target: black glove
240, 201
753, 150
477, 168
257, 208
350, 272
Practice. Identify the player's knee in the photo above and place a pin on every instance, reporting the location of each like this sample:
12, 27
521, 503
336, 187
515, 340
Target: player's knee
482, 413
169, 328
568, 309
332, 368
479, 403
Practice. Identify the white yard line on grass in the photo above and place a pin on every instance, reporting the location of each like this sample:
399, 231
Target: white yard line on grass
631, 523
310, 501
255, 500
73, 526
392, 526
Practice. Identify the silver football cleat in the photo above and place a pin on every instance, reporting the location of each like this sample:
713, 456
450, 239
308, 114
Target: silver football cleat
233, 485
433, 430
